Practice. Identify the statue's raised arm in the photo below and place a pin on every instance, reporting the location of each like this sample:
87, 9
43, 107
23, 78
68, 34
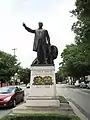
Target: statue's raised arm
28, 29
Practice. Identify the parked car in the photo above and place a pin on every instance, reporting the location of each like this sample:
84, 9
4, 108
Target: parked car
10, 96
88, 85
83, 85
28, 85
77, 84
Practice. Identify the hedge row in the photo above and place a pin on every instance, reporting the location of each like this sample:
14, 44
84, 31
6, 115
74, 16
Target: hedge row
40, 117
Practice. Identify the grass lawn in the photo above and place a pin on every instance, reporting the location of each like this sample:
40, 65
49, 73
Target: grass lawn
62, 99
39, 117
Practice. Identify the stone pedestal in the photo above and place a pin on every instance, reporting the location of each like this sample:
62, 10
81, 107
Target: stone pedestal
43, 90
42, 95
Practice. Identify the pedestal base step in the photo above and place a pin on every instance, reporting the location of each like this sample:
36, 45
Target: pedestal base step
42, 103
42, 98
22, 109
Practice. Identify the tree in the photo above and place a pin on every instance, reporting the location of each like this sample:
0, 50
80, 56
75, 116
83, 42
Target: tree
81, 28
76, 57
59, 78
24, 75
74, 61
8, 66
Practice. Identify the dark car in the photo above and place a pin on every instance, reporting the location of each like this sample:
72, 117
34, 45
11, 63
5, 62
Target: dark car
10, 96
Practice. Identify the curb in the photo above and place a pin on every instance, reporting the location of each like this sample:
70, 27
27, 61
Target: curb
77, 112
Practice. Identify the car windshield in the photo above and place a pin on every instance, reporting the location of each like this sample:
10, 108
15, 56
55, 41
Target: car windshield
6, 90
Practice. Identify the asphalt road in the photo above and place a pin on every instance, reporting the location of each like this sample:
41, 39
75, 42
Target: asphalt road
4, 112
80, 97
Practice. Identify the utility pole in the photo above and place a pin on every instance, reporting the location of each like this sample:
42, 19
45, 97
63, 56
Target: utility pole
14, 49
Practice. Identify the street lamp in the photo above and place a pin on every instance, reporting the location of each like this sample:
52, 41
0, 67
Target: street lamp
14, 49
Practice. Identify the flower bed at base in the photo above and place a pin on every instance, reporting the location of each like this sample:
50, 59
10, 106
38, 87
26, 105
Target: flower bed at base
40, 117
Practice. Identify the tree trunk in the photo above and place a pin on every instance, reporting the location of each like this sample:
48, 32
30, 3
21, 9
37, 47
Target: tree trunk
84, 78
1, 83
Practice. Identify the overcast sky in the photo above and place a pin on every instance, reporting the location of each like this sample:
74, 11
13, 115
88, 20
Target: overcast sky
53, 13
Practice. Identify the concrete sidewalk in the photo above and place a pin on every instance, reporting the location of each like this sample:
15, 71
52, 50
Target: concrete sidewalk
62, 109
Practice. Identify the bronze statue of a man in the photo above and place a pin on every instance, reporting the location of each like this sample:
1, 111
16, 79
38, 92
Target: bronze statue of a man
41, 41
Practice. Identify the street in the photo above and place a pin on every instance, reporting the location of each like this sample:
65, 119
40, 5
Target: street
4, 112
79, 97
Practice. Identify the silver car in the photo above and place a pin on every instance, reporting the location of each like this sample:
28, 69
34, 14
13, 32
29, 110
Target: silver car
88, 85
83, 85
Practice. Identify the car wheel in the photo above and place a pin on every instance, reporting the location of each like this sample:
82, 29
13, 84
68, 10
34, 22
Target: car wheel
22, 99
88, 87
14, 103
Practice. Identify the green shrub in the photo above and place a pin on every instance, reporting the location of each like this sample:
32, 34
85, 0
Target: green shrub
40, 117
62, 99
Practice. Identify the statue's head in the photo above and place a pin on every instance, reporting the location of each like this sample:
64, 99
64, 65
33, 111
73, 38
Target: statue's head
40, 24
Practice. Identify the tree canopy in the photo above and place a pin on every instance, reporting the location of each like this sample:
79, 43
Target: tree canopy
24, 74
8, 66
76, 57
74, 61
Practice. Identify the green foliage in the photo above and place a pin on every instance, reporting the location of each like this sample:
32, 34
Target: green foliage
82, 27
76, 57
41, 116
82, 9
62, 99
8, 66
74, 61
24, 74
59, 77
38, 80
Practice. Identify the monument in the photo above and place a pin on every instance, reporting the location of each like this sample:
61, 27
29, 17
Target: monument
42, 82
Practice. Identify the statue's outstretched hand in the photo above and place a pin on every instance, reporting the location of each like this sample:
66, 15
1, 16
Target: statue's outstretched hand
24, 24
